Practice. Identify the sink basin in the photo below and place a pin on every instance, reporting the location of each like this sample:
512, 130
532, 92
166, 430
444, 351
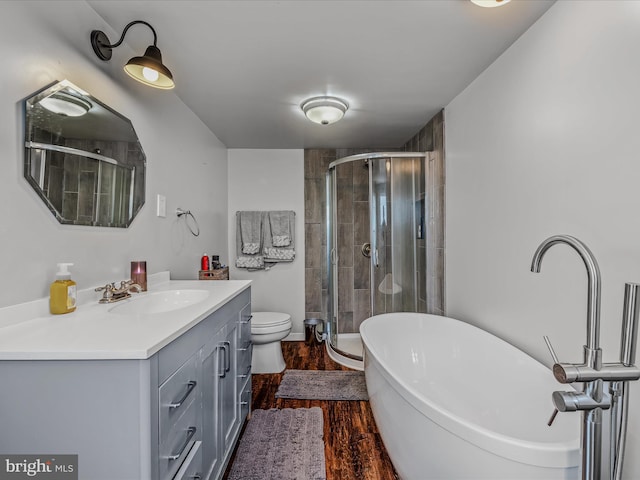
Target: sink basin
159, 302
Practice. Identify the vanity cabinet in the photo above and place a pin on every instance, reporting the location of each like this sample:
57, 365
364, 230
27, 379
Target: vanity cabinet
221, 412
176, 415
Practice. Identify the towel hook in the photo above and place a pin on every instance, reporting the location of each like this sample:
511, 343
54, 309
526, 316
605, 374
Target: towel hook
187, 213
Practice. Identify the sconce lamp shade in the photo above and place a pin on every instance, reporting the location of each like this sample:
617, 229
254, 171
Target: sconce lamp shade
150, 70
324, 110
147, 69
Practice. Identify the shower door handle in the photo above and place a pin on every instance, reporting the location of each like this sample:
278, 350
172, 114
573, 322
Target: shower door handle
374, 257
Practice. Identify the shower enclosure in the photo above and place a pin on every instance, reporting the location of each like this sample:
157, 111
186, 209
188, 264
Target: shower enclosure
379, 221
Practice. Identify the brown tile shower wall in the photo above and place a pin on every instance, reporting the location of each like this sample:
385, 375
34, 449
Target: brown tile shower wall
316, 164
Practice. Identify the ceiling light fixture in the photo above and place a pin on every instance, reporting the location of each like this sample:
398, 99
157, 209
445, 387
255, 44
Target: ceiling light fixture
147, 69
66, 104
490, 3
324, 110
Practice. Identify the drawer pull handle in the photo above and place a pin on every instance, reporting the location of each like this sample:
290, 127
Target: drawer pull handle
225, 351
190, 433
244, 403
227, 355
246, 347
245, 375
249, 317
190, 386
197, 476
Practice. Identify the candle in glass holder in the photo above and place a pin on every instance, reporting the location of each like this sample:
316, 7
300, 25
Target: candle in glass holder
139, 274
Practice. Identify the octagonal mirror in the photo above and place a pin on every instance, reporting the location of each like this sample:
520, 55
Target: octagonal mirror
83, 158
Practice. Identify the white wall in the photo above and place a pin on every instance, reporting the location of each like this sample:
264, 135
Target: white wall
546, 142
41, 42
270, 180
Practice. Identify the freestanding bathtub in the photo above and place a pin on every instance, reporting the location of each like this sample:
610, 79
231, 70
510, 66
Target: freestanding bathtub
453, 402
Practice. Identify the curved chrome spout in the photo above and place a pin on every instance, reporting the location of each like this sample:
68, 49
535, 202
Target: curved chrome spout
593, 272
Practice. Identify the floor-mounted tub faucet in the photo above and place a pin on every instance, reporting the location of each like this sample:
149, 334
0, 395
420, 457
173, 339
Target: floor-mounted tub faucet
592, 400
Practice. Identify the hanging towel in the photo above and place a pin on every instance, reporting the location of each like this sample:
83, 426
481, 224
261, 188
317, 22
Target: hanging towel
281, 223
284, 224
254, 262
272, 254
249, 232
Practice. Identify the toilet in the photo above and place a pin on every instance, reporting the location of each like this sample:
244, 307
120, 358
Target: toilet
267, 330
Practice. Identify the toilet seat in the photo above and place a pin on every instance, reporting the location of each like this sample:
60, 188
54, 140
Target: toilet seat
267, 322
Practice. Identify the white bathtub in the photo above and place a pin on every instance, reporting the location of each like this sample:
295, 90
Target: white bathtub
452, 402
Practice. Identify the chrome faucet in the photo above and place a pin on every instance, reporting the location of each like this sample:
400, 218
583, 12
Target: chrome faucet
592, 400
115, 294
593, 292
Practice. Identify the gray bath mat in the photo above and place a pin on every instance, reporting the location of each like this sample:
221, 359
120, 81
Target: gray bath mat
323, 385
281, 445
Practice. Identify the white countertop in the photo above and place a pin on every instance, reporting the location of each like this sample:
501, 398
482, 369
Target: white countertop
92, 332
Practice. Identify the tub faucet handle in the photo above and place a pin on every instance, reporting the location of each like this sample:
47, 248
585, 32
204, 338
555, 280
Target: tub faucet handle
551, 350
553, 416
574, 401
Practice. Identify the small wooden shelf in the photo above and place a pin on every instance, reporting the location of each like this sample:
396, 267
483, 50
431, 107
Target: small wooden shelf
217, 274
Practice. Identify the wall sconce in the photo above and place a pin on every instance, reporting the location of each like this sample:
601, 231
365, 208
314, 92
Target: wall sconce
147, 69
324, 110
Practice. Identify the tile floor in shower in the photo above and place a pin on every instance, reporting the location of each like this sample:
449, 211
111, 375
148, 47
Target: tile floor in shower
350, 343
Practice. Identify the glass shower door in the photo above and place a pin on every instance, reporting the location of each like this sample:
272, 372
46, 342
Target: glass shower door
395, 226
375, 260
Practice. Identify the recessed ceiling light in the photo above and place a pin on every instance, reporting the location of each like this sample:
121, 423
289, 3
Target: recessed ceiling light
490, 3
324, 110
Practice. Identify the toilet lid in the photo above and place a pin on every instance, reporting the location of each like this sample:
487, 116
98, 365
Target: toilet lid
269, 319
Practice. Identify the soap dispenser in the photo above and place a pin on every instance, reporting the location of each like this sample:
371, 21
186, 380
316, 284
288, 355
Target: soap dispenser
62, 298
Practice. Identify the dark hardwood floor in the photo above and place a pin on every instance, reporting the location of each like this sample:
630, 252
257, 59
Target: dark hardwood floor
353, 447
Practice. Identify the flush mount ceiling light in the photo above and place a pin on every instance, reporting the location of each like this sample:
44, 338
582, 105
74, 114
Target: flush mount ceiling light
324, 110
490, 3
66, 104
147, 69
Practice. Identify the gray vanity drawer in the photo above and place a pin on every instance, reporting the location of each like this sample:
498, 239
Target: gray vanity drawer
192, 466
176, 394
180, 438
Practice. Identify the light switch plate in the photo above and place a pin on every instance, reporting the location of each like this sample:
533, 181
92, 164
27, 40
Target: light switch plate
161, 210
